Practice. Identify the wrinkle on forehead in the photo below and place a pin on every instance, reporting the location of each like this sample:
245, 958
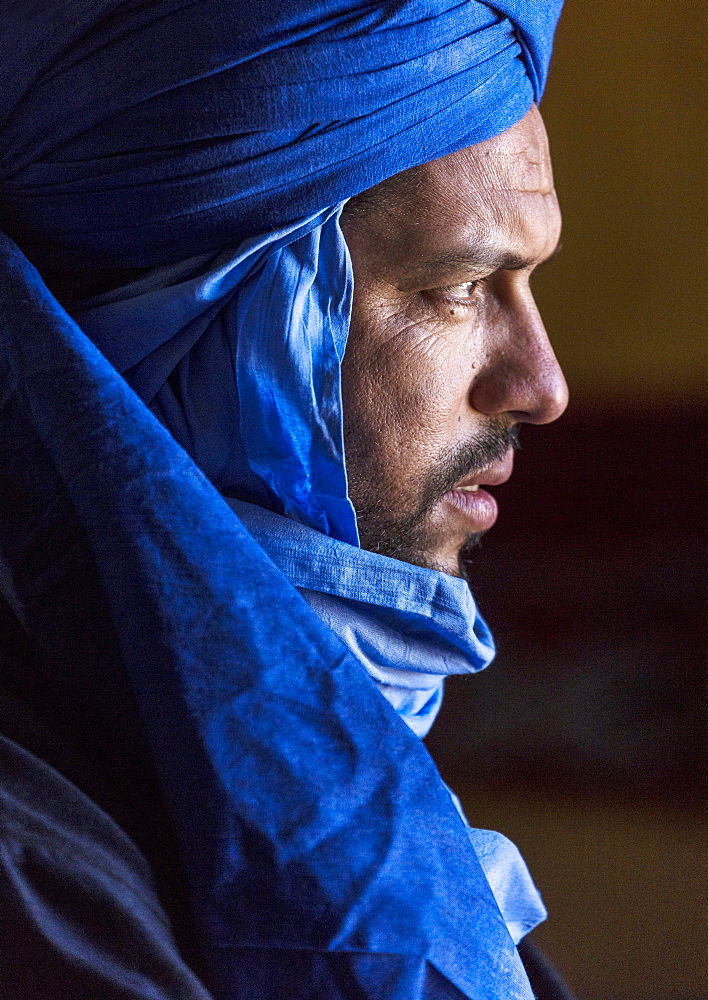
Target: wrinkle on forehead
518, 160
518, 171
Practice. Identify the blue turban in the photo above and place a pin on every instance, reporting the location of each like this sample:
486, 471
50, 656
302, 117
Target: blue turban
226, 137
134, 134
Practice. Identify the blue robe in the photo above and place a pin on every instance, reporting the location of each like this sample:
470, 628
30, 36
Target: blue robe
314, 827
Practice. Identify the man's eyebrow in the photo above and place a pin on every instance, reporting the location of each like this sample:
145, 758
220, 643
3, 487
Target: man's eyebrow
479, 258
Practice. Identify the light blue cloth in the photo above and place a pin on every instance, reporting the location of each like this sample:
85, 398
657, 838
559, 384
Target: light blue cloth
252, 346
517, 897
410, 627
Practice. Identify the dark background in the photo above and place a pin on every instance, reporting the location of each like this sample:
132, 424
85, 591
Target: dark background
585, 740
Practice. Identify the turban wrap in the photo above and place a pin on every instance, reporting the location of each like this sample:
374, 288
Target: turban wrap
139, 134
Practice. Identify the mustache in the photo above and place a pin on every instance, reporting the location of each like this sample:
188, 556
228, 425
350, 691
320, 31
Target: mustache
470, 459
405, 538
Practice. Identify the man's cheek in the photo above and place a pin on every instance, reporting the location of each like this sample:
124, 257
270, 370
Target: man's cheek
412, 371
400, 401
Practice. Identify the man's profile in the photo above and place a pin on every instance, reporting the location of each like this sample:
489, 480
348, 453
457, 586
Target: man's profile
446, 352
268, 338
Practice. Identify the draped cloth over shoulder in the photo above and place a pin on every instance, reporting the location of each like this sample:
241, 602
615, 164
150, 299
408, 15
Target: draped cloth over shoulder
334, 886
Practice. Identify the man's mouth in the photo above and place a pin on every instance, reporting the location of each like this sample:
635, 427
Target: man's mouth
493, 474
476, 505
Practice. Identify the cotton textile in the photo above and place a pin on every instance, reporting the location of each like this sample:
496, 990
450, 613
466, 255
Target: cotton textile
140, 133
109, 530
241, 362
410, 628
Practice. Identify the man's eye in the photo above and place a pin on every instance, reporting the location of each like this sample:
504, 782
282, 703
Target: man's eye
464, 293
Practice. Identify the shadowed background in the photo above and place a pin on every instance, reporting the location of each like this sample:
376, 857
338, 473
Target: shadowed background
585, 740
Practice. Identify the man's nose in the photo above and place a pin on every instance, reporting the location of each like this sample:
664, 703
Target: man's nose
521, 377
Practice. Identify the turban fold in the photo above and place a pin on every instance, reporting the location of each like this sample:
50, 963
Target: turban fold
138, 133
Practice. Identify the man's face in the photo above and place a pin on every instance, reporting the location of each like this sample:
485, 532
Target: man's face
447, 353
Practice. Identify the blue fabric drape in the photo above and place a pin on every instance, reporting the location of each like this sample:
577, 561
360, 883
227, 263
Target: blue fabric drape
242, 364
410, 628
357, 876
138, 133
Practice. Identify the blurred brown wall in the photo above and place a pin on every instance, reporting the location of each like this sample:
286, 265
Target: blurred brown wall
625, 111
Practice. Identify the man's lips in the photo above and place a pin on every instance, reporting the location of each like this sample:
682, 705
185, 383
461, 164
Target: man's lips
478, 507
492, 475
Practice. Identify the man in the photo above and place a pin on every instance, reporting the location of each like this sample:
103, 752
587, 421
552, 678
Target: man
289, 181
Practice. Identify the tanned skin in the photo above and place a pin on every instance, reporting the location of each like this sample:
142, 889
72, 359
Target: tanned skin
447, 353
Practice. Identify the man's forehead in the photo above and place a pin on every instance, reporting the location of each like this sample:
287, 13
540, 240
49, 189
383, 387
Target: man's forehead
486, 201
518, 160
521, 170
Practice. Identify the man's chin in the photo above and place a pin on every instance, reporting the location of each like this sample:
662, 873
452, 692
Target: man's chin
465, 555
428, 541
456, 563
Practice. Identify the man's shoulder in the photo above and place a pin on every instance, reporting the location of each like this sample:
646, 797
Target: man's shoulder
80, 913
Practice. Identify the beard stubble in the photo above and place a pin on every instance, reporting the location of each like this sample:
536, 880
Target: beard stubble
408, 537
